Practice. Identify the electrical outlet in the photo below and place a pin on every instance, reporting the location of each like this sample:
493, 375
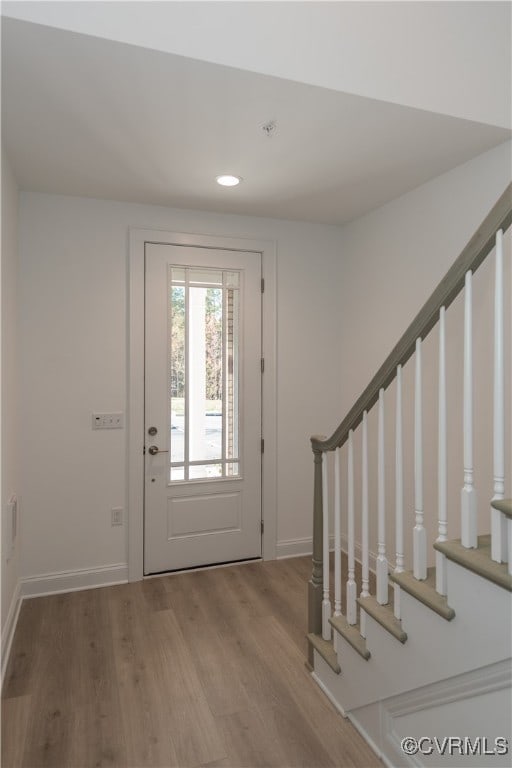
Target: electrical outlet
116, 515
13, 504
107, 420
12, 522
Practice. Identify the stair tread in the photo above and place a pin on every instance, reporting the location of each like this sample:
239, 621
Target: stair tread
326, 650
477, 560
424, 591
504, 505
384, 615
351, 634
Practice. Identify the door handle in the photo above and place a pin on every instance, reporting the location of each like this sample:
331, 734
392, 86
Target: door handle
154, 449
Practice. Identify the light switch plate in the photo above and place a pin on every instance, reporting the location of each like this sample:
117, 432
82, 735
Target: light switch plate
107, 420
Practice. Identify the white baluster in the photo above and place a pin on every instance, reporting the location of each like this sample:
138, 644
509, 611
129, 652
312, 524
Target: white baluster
498, 520
399, 491
326, 603
337, 533
382, 563
365, 587
441, 458
468, 492
419, 533
351, 582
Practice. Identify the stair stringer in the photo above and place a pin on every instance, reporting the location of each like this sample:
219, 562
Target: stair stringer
479, 635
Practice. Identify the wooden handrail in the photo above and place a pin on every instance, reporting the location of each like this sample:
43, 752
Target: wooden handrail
480, 245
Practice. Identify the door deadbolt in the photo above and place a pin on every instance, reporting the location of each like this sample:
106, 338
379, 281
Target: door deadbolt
152, 431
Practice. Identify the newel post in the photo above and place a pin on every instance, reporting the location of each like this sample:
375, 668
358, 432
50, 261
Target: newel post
316, 582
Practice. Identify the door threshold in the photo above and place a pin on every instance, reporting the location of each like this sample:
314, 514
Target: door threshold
208, 567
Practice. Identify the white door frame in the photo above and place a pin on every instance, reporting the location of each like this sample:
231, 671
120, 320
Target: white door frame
135, 404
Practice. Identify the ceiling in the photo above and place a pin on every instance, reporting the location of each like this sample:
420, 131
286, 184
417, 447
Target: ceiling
88, 116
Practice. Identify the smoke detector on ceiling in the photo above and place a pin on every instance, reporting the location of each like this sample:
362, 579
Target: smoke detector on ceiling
269, 128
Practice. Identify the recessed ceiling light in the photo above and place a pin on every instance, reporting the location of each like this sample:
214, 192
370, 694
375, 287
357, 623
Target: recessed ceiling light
226, 180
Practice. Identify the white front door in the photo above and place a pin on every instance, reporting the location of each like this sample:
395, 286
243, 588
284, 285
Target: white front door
202, 407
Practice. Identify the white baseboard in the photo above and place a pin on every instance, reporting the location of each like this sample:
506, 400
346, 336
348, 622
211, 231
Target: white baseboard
72, 581
329, 695
298, 547
294, 548
371, 742
10, 627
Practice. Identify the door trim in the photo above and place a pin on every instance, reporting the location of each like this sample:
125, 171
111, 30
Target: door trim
135, 401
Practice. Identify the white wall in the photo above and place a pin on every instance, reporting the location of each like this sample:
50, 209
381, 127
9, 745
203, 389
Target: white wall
449, 57
73, 284
353, 290
393, 258
10, 475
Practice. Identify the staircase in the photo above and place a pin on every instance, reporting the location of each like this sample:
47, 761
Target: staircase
415, 646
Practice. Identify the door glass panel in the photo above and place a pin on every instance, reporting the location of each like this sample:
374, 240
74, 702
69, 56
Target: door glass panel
232, 279
200, 471
204, 387
205, 373
232, 312
177, 372
177, 473
205, 276
178, 274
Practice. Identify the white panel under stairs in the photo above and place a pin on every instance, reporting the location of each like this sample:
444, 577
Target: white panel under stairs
437, 657
436, 716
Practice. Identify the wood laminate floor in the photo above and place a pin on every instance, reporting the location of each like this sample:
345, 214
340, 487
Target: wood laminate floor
194, 670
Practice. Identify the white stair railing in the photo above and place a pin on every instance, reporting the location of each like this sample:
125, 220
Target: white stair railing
459, 278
